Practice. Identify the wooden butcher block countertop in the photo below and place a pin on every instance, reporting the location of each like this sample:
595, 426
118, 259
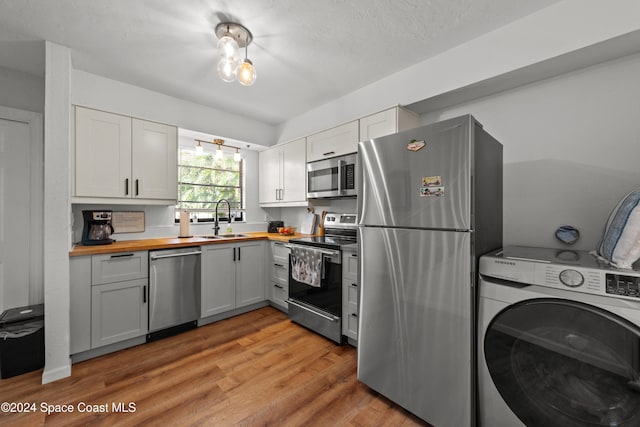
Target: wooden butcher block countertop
175, 242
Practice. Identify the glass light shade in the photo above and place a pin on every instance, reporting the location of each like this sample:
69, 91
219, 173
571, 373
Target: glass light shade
219, 153
246, 74
228, 47
199, 149
236, 156
227, 70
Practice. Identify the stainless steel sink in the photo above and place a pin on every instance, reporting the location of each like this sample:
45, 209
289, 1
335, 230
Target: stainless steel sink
224, 236
232, 235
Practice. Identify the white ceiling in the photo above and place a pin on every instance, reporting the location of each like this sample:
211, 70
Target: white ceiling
306, 52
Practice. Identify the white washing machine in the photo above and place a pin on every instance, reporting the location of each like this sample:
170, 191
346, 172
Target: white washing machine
558, 340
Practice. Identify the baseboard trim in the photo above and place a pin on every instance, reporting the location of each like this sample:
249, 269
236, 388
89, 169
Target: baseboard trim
55, 374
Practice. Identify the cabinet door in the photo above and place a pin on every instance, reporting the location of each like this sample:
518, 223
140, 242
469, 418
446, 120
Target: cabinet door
379, 124
387, 122
79, 304
154, 160
102, 154
270, 175
350, 294
118, 312
294, 171
333, 142
218, 279
250, 273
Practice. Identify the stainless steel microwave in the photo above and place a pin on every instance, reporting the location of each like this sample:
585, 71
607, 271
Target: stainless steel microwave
332, 178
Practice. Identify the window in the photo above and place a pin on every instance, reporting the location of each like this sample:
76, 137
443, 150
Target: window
203, 180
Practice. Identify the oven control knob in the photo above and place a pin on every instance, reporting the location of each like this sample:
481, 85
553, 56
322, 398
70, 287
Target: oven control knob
571, 278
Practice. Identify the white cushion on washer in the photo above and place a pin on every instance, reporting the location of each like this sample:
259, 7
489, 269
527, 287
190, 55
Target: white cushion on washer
620, 244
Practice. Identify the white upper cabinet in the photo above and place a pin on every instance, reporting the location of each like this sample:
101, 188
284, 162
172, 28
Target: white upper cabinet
124, 159
333, 142
270, 165
103, 154
294, 172
387, 122
283, 175
154, 160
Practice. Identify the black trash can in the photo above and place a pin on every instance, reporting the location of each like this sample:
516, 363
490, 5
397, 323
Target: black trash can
21, 340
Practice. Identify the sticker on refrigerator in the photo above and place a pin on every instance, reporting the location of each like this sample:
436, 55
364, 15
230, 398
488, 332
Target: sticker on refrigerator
431, 181
414, 145
431, 191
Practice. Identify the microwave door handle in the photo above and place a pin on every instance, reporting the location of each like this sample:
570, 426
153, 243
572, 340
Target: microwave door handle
340, 163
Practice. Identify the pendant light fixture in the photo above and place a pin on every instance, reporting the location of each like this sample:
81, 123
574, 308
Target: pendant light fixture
219, 153
231, 38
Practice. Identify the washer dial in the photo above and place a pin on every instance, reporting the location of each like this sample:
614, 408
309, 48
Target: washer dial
571, 278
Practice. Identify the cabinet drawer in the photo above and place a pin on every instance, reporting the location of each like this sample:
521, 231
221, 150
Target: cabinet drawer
352, 321
110, 268
279, 293
352, 292
280, 273
280, 253
350, 264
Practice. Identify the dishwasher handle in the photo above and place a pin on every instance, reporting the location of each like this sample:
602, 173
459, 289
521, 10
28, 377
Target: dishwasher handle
153, 256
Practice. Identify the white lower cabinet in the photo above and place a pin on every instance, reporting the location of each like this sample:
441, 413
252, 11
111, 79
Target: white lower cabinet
108, 299
350, 293
119, 311
232, 276
279, 276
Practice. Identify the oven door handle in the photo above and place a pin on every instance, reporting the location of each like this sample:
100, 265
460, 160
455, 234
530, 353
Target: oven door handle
332, 319
328, 252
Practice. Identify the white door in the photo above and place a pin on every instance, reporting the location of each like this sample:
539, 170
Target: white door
18, 274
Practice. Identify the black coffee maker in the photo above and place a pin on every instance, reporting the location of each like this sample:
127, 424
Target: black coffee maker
97, 228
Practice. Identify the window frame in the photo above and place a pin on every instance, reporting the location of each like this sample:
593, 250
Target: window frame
208, 214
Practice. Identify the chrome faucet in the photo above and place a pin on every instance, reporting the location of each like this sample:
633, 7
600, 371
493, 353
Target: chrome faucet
216, 227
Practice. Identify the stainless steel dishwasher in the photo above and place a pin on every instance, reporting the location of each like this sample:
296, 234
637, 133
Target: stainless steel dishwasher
174, 291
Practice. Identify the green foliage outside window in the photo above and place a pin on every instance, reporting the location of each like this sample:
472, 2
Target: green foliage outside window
203, 180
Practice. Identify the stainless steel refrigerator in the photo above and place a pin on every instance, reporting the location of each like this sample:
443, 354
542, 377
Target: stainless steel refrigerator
429, 204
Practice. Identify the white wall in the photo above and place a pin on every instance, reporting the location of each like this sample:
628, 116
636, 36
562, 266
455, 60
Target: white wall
21, 90
544, 36
101, 93
571, 149
570, 142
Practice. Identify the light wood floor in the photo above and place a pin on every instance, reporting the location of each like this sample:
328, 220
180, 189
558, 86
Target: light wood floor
256, 369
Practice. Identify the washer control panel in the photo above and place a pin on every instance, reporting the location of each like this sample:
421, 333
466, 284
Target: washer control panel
620, 284
578, 271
